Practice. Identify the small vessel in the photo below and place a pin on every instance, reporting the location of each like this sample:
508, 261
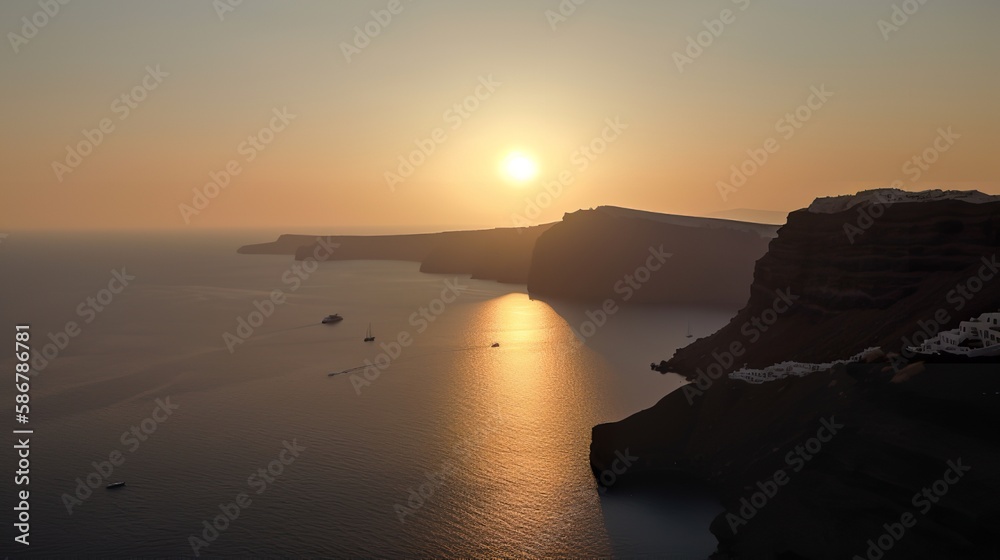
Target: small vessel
118, 484
335, 318
495, 345
689, 335
369, 337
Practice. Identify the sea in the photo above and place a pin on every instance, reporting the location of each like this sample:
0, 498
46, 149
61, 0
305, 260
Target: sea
200, 378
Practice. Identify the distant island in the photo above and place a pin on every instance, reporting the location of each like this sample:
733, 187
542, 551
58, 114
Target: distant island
581, 258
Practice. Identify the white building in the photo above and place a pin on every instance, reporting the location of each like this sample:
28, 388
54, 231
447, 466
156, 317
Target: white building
786, 369
975, 338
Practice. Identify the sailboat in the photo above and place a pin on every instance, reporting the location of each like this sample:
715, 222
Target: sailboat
689, 335
369, 337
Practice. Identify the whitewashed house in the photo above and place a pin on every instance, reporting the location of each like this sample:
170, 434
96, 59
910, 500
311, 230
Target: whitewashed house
786, 369
975, 338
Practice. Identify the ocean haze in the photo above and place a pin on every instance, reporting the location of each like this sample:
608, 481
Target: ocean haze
520, 415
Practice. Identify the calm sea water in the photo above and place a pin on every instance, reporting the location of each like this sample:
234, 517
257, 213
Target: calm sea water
503, 432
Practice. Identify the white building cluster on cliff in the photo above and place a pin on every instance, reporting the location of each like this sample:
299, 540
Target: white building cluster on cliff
975, 338
786, 369
888, 197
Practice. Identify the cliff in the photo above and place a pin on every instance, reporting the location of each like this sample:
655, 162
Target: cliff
858, 288
839, 278
596, 254
584, 257
498, 254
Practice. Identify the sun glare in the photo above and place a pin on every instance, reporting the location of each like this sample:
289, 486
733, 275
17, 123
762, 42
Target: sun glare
520, 167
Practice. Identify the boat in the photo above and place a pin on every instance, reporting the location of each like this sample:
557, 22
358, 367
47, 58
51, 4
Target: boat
495, 345
335, 318
369, 337
115, 485
689, 335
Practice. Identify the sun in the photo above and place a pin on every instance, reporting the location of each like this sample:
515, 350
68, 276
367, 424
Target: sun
520, 167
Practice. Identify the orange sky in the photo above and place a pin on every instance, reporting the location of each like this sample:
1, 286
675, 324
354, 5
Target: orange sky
334, 111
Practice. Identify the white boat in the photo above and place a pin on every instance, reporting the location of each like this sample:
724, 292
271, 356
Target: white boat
335, 318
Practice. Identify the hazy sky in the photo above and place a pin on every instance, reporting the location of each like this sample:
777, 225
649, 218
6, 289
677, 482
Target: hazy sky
198, 84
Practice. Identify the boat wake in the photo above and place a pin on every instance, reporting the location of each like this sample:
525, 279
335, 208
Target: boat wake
349, 370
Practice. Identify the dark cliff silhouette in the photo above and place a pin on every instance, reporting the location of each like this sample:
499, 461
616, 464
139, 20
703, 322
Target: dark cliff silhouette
901, 420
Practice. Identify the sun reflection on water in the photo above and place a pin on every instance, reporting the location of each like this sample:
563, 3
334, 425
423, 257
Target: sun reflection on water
528, 482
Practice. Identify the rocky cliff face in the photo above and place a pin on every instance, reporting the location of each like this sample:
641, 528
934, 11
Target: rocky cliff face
503, 255
589, 256
499, 254
859, 281
652, 258
837, 464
